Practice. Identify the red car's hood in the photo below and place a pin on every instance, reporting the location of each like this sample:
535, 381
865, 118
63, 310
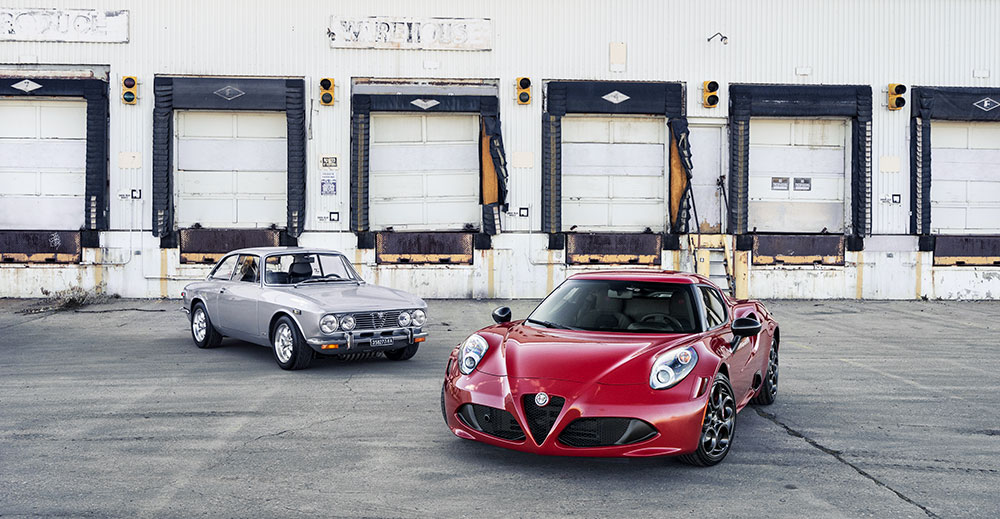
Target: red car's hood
611, 358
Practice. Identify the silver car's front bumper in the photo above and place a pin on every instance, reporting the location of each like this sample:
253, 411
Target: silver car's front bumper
361, 340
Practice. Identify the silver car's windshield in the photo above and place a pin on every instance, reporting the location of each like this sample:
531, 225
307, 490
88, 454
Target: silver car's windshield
293, 269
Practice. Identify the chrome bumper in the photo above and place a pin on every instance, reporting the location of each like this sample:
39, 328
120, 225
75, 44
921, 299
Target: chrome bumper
361, 340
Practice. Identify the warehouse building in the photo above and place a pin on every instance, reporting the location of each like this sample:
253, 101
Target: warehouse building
844, 149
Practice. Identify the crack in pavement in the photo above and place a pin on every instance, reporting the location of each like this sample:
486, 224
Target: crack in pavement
837, 455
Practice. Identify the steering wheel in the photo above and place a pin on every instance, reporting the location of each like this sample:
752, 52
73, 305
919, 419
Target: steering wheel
662, 318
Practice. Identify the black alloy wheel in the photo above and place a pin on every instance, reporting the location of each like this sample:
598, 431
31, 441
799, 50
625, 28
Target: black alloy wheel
718, 428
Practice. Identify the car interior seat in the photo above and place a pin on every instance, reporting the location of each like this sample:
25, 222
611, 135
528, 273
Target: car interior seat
299, 271
606, 315
682, 309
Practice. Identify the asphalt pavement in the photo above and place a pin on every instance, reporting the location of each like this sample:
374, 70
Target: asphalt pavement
884, 409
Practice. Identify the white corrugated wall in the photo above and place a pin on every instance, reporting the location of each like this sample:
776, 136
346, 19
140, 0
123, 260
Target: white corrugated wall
914, 42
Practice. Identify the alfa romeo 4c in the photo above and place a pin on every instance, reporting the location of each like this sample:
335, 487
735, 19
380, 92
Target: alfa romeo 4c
629, 363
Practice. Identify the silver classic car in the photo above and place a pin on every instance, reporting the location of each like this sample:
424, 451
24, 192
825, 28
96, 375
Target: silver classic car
302, 303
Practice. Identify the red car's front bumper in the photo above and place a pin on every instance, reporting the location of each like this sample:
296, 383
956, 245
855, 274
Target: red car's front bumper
676, 414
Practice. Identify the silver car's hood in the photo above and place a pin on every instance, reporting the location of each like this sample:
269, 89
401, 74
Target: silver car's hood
351, 297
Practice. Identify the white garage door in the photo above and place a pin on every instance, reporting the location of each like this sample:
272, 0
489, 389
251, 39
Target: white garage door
43, 157
230, 169
424, 172
612, 173
965, 177
797, 175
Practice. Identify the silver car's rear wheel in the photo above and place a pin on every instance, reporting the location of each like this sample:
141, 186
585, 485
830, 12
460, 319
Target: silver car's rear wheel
202, 330
283, 342
199, 324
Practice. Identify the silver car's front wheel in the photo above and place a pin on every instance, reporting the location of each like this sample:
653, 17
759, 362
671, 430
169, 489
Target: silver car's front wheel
283, 342
290, 349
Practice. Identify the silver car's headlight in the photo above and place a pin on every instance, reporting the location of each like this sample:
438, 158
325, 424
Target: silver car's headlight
328, 324
419, 318
347, 323
471, 353
404, 319
671, 367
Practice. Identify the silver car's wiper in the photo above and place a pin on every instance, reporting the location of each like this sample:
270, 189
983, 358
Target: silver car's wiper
549, 324
324, 279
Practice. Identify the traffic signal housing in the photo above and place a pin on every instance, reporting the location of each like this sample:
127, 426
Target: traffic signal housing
710, 94
523, 90
130, 90
896, 99
326, 91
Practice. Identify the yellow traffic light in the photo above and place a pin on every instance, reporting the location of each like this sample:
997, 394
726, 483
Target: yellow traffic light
130, 90
523, 88
326, 91
896, 100
710, 94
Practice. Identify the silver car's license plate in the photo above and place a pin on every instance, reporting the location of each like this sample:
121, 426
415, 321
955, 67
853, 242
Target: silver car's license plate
382, 341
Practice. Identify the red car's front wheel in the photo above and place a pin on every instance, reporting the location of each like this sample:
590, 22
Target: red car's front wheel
718, 426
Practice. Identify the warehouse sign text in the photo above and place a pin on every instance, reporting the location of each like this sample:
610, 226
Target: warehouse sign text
380, 32
65, 25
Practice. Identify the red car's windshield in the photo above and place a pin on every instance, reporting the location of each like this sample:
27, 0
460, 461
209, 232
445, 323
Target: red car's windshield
618, 306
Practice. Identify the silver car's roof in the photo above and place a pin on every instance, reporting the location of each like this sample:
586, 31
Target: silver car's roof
264, 251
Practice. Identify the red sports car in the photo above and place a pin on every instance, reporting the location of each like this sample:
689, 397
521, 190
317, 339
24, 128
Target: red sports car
626, 363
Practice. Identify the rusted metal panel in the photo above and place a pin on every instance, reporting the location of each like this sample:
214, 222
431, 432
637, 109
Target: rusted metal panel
40, 247
423, 247
967, 250
614, 249
209, 245
798, 249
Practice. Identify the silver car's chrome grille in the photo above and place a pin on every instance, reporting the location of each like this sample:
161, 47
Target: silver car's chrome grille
376, 320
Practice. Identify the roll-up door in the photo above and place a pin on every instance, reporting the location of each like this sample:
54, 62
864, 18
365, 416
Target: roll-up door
42, 164
965, 177
231, 169
707, 155
424, 172
613, 174
797, 175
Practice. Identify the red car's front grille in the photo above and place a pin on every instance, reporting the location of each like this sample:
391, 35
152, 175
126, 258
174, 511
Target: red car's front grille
541, 418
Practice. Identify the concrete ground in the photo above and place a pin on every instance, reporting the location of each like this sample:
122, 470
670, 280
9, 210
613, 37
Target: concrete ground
885, 409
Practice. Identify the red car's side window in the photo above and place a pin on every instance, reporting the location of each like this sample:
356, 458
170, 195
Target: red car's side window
715, 309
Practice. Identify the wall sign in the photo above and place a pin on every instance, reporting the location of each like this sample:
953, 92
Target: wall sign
779, 183
803, 184
384, 32
63, 25
328, 183
329, 162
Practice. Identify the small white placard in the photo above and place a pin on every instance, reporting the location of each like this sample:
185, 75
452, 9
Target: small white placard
129, 160
888, 163
329, 162
803, 71
617, 56
522, 159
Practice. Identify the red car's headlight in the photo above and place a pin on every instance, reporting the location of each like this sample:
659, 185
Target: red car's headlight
472, 351
671, 367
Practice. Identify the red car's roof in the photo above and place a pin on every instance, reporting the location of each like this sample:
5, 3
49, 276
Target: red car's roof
661, 276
